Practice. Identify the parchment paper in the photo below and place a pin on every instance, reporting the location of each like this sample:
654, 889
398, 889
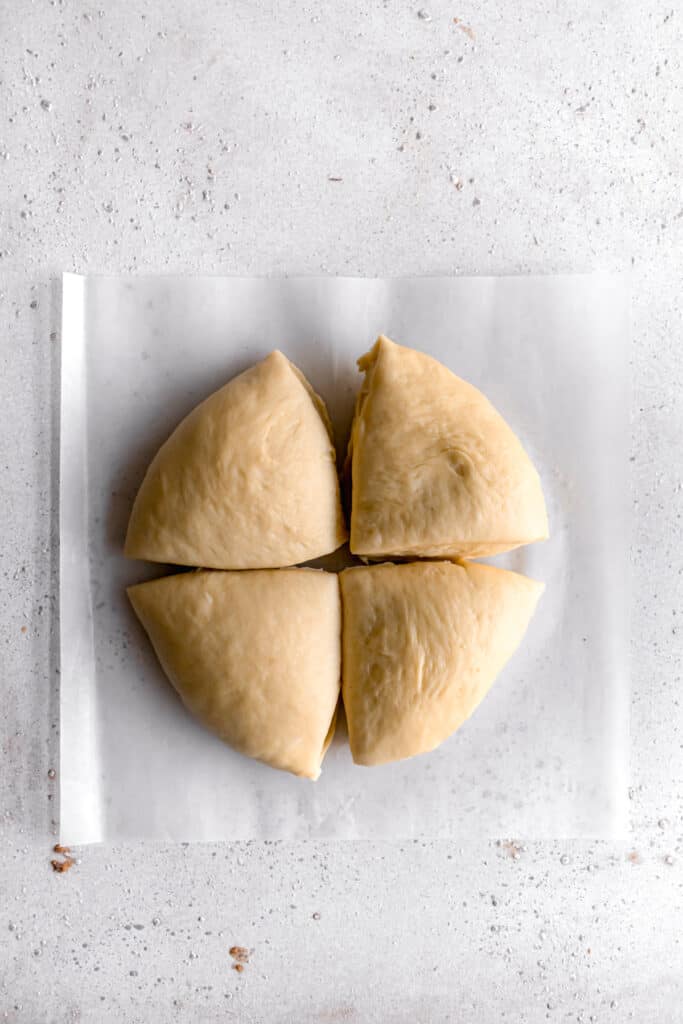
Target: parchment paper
547, 752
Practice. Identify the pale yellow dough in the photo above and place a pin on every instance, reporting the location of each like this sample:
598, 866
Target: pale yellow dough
247, 481
436, 471
422, 644
254, 655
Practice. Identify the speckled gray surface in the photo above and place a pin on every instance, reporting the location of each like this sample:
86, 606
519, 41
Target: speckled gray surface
206, 136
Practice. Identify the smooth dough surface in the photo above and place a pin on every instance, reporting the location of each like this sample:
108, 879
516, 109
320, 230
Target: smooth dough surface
436, 471
248, 480
254, 655
422, 644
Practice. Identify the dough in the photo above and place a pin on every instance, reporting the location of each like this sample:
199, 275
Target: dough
435, 469
255, 656
247, 481
422, 644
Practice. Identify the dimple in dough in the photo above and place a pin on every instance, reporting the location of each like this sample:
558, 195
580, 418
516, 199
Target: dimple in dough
422, 644
255, 656
436, 471
248, 480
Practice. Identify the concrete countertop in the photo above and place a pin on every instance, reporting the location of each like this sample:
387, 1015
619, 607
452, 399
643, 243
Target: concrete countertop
355, 138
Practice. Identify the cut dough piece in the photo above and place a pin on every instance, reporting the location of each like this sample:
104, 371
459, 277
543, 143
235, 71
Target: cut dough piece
436, 471
422, 644
254, 655
247, 481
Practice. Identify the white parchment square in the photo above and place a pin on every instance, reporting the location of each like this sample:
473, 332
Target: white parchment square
547, 752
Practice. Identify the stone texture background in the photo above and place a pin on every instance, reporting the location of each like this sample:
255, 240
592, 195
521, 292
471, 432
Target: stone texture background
209, 137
